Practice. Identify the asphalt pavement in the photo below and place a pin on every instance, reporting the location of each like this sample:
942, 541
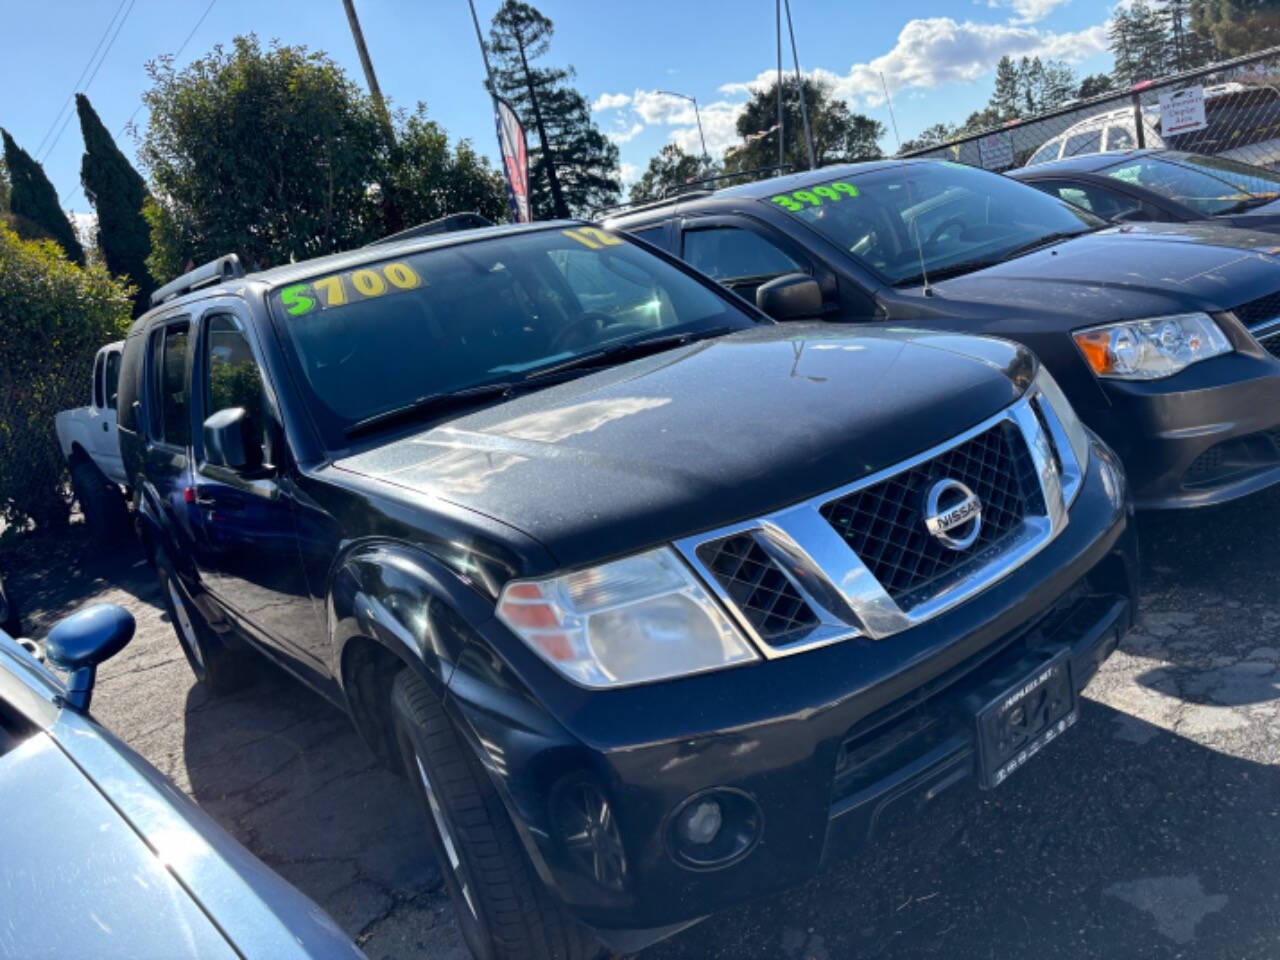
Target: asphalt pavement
1151, 830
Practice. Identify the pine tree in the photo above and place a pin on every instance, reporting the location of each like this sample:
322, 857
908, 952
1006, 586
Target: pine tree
573, 167
1149, 41
34, 202
117, 193
1059, 84
1120, 38
1004, 100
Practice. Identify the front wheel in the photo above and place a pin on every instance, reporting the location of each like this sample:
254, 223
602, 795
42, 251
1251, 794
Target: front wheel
215, 667
105, 513
502, 907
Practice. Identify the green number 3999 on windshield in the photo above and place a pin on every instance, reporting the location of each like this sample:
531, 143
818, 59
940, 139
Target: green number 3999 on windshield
814, 196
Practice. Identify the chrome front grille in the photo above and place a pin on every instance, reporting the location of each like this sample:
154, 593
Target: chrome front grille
884, 523
1262, 317
859, 561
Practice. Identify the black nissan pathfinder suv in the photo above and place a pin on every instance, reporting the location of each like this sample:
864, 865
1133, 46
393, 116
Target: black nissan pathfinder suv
658, 604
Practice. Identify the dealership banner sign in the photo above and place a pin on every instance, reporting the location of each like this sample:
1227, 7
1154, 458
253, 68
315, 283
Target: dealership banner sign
515, 160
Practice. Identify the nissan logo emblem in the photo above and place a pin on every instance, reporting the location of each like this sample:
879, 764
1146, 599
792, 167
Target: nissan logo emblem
953, 514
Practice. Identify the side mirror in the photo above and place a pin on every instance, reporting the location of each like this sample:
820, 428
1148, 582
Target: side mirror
795, 296
231, 440
82, 641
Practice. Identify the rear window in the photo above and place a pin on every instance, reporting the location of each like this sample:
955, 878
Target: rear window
381, 335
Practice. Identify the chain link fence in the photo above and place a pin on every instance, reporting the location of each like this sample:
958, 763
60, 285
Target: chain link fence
1229, 109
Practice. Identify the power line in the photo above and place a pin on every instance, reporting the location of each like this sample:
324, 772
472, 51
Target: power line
57, 116
101, 61
125, 125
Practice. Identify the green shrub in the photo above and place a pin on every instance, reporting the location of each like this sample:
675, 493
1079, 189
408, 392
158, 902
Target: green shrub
53, 318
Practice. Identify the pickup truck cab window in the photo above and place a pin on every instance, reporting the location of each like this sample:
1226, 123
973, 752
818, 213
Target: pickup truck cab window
98, 379
112, 376
171, 420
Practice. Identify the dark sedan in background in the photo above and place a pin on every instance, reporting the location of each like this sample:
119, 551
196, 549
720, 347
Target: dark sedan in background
1164, 186
1159, 333
100, 856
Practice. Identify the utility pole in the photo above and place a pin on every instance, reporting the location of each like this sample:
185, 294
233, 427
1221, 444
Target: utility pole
778, 30
390, 209
706, 157
804, 109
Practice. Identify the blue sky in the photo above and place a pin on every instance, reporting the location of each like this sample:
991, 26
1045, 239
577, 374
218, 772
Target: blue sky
937, 58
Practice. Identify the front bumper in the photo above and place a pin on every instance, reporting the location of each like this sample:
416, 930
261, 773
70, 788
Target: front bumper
827, 743
1205, 436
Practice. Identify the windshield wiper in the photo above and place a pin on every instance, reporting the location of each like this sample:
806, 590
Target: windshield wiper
1036, 244
431, 403
968, 266
1247, 204
628, 350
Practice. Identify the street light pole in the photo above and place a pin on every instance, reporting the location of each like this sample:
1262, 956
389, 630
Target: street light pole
706, 157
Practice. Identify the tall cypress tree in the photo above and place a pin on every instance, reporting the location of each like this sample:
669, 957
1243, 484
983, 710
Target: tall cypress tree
34, 201
117, 193
573, 166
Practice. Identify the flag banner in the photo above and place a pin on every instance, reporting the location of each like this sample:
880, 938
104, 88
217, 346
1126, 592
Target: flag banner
515, 160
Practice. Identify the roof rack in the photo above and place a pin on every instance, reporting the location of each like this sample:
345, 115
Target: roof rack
449, 224
226, 267
700, 187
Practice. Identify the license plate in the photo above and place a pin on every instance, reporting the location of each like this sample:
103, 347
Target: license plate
1019, 723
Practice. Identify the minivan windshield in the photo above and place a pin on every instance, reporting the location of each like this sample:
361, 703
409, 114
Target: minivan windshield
384, 334
952, 217
1208, 185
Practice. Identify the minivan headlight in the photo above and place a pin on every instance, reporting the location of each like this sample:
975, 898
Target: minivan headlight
1153, 348
634, 620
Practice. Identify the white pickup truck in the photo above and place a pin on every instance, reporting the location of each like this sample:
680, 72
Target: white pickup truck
92, 448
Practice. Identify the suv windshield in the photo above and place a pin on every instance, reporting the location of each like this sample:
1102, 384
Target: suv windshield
964, 218
1209, 185
383, 334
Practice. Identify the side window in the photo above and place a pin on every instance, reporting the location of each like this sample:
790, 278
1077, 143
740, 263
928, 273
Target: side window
656, 234
1105, 203
97, 382
1090, 142
1120, 138
731, 253
173, 409
1048, 152
231, 375
113, 378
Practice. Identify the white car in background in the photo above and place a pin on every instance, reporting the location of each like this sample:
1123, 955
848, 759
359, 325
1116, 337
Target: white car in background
1243, 124
91, 445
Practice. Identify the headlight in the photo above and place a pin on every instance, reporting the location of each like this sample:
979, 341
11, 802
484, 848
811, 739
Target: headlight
1065, 428
630, 621
1150, 349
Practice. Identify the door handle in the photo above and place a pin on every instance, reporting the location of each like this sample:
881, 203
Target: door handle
104, 426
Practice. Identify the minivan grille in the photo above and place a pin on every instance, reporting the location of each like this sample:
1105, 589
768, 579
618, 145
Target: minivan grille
884, 523
765, 597
1259, 311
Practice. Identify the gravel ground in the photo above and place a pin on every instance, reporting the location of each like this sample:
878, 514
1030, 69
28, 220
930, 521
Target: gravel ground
1152, 830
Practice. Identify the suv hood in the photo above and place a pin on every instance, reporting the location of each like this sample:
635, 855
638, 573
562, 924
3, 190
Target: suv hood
1132, 270
700, 436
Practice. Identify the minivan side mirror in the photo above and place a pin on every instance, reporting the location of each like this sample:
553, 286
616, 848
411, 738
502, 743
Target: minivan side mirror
82, 641
794, 296
232, 440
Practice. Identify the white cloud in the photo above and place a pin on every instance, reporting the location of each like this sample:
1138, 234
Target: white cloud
1028, 11
610, 101
624, 136
630, 173
938, 51
85, 226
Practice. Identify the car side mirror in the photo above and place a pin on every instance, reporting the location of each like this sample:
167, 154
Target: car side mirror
82, 641
795, 296
232, 440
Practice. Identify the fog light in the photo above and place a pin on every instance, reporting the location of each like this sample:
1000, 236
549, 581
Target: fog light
714, 828
701, 821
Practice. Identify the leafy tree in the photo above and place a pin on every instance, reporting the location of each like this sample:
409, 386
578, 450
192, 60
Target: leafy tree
1059, 85
1138, 42
54, 316
933, 136
1095, 85
669, 170
1004, 99
275, 155
433, 180
1186, 49
1237, 27
34, 202
838, 133
573, 166
4, 188
980, 120
117, 193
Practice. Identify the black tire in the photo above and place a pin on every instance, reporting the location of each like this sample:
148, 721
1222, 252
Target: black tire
216, 668
106, 515
502, 907
10, 618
